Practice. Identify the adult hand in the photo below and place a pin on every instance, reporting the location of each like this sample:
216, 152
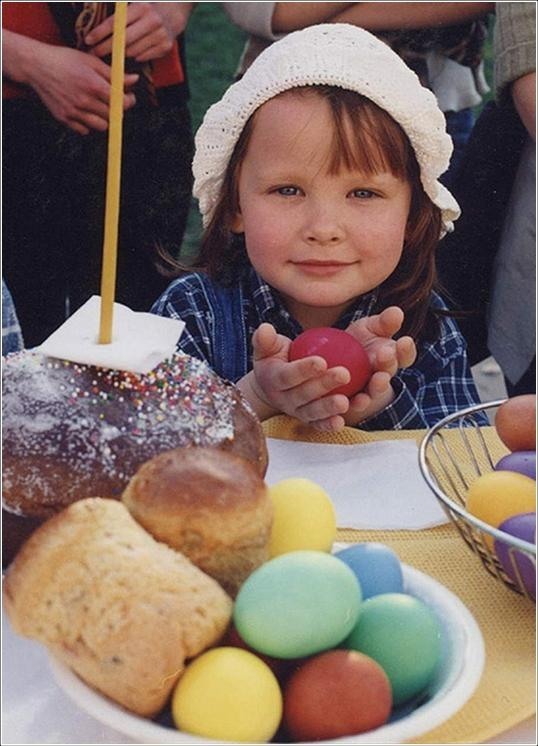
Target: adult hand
300, 388
150, 32
386, 355
75, 87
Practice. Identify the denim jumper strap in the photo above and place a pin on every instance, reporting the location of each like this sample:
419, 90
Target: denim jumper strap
230, 343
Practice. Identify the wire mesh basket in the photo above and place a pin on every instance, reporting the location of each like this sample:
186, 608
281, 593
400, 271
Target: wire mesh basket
452, 455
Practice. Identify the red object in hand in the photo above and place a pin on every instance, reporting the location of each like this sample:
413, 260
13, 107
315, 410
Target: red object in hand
336, 347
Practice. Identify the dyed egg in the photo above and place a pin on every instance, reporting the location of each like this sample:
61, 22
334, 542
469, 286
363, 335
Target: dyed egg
497, 495
228, 694
515, 422
280, 668
338, 693
303, 517
403, 635
522, 462
336, 347
297, 604
518, 565
377, 568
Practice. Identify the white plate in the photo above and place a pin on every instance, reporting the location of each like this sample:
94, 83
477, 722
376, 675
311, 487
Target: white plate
457, 678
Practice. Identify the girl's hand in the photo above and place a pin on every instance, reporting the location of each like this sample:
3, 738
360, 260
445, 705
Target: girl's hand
300, 388
150, 33
386, 356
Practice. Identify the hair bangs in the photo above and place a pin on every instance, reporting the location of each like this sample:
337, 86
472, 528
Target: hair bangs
365, 137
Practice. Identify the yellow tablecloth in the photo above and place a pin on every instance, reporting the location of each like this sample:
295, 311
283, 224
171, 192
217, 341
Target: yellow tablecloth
506, 694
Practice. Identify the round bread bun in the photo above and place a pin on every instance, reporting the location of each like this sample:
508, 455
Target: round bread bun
211, 506
71, 431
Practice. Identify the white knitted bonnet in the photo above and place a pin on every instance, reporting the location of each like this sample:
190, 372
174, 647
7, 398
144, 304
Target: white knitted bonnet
327, 54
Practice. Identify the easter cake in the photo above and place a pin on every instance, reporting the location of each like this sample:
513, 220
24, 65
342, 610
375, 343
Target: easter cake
72, 431
122, 610
212, 506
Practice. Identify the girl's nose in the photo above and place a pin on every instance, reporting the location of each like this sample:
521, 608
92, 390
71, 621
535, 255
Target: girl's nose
323, 227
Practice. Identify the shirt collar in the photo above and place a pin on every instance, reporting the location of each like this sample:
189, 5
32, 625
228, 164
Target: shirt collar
270, 308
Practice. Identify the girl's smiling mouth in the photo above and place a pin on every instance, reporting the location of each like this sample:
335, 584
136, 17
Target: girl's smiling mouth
321, 267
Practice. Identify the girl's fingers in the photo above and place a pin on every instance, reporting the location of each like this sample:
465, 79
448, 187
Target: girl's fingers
386, 323
330, 424
360, 402
378, 384
264, 340
311, 379
323, 409
386, 360
406, 352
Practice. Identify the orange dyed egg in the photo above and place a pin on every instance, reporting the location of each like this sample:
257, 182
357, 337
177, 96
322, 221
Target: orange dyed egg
515, 423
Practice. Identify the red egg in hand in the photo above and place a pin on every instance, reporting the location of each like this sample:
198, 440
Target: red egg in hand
336, 347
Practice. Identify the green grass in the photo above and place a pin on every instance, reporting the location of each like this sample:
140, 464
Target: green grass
213, 48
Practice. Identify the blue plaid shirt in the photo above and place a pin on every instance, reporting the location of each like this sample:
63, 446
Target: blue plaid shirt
438, 384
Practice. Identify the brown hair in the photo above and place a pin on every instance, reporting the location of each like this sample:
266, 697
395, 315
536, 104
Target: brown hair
374, 143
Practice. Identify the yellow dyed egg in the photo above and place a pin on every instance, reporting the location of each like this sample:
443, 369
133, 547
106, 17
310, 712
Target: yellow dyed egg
498, 495
228, 694
303, 517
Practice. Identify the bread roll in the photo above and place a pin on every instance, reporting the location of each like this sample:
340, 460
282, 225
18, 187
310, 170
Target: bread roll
211, 506
73, 431
122, 610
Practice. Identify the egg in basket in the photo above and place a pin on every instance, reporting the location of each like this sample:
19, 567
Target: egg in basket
485, 479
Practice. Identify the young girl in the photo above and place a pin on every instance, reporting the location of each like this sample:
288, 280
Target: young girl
317, 176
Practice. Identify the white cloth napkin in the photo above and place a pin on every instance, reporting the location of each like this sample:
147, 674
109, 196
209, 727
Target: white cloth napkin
140, 341
372, 486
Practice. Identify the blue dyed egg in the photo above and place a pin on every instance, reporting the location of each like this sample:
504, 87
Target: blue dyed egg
376, 566
523, 462
298, 604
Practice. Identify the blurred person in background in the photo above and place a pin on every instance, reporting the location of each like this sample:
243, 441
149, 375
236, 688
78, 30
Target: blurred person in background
56, 86
512, 320
488, 264
442, 42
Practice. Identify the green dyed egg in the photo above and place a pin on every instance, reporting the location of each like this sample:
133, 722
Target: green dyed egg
403, 636
298, 604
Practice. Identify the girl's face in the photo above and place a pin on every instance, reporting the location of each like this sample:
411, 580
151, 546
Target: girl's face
320, 239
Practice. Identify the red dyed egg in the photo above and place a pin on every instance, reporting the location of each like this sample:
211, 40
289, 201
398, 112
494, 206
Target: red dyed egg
334, 694
336, 347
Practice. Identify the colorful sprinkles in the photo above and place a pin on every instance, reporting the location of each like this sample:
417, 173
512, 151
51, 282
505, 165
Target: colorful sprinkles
101, 423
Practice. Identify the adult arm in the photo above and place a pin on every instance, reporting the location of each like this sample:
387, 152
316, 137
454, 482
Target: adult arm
515, 59
150, 32
73, 85
524, 97
273, 20
374, 16
378, 16
291, 16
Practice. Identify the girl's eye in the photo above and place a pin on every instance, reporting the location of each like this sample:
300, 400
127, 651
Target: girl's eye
287, 191
362, 193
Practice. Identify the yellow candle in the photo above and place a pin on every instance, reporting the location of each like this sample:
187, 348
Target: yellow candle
113, 177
